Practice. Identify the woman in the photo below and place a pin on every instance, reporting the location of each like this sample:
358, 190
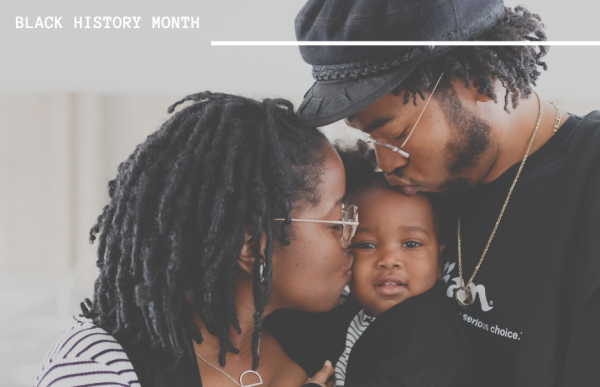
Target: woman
206, 233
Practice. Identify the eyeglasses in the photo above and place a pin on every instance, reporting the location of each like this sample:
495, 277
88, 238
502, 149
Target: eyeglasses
368, 139
349, 223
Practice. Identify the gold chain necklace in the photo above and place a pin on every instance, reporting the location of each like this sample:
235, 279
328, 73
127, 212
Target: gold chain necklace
241, 383
558, 117
463, 295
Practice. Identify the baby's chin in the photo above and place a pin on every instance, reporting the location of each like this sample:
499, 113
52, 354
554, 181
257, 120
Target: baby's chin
383, 305
380, 298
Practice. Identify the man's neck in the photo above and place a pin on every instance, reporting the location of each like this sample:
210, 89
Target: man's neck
513, 134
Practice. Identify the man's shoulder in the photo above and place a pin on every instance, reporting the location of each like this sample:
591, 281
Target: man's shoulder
589, 126
593, 116
582, 156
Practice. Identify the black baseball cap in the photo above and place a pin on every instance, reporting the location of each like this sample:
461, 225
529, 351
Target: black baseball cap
350, 78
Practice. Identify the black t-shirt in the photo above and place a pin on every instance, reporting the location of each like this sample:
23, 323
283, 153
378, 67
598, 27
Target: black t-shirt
494, 322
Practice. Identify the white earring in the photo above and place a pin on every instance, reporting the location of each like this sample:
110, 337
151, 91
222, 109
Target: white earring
261, 271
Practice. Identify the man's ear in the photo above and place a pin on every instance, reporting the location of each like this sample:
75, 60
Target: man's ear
472, 90
475, 84
247, 256
439, 270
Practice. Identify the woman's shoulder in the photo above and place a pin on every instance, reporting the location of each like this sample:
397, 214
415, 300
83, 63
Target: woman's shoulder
84, 355
285, 370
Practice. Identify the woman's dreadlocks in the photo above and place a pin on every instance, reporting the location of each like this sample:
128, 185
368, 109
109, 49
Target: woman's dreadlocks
175, 221
515, 66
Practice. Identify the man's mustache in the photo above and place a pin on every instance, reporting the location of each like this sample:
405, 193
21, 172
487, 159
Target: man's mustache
399, 172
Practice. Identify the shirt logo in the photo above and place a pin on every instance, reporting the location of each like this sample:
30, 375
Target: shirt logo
476, 290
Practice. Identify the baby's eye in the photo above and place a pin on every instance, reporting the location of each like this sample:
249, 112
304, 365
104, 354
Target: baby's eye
337, 227
363, 245
411, 244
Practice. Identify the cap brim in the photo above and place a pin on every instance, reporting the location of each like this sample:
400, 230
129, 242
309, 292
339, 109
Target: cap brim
330, 101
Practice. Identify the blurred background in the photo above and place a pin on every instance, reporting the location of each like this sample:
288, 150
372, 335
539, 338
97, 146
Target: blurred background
74, 103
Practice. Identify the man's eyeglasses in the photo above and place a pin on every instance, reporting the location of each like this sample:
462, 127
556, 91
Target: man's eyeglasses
349, 223
367, 138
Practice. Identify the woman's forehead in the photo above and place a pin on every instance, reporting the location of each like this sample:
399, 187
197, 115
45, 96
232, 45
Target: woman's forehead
331, 188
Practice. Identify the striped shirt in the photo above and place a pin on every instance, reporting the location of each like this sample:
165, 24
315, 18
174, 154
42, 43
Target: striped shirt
86, 355
359, 324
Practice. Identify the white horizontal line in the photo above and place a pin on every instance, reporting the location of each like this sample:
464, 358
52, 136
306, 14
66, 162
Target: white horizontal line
404, 43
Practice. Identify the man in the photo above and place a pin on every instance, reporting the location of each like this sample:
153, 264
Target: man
523, 263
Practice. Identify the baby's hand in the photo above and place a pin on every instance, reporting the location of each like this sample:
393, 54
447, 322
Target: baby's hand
321, 377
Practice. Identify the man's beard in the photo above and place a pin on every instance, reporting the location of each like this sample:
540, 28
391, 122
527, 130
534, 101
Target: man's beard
471, 137
471, 140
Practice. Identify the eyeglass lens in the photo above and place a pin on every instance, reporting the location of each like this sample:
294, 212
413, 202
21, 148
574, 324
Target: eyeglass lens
349, 215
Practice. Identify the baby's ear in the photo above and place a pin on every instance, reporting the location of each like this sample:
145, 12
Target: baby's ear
439, 269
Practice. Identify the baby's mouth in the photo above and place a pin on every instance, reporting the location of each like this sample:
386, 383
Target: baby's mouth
389, 286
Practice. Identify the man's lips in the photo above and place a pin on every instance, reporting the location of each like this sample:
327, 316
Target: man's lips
406, 189
389, 286
409, 190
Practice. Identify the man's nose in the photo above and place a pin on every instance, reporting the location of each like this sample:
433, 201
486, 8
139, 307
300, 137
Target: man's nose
389, 259
389, 160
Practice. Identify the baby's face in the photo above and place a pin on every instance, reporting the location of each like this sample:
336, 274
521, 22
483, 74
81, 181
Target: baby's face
395, 248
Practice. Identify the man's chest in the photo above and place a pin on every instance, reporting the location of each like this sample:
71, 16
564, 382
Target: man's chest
501, 287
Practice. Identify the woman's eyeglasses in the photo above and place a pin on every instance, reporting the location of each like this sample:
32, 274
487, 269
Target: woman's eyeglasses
349, 223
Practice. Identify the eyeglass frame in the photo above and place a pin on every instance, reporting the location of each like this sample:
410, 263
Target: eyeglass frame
368, 139
344, 223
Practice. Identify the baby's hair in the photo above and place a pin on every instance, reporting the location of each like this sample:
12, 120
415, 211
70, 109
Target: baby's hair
360, 165
362, 174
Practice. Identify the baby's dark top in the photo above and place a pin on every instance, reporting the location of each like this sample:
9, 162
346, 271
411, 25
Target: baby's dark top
418, 342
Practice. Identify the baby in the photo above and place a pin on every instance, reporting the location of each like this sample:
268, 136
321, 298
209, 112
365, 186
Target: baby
407, 333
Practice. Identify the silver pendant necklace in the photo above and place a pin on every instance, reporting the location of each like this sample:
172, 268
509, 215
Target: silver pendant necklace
241, 382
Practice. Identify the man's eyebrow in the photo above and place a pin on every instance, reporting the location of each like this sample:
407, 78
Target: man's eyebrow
378, 123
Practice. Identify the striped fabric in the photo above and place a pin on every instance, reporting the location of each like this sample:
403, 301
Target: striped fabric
86, 355
359, 324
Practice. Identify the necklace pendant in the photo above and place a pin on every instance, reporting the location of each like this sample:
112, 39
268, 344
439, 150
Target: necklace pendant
260, 381
463, 296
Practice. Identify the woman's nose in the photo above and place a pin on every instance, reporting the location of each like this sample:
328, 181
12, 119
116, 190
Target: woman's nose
389, 160
389, 259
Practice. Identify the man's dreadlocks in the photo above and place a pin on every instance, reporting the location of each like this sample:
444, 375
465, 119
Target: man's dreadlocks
178, 208
515, 66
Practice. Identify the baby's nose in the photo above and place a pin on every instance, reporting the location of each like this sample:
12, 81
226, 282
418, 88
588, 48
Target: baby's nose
390, 259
